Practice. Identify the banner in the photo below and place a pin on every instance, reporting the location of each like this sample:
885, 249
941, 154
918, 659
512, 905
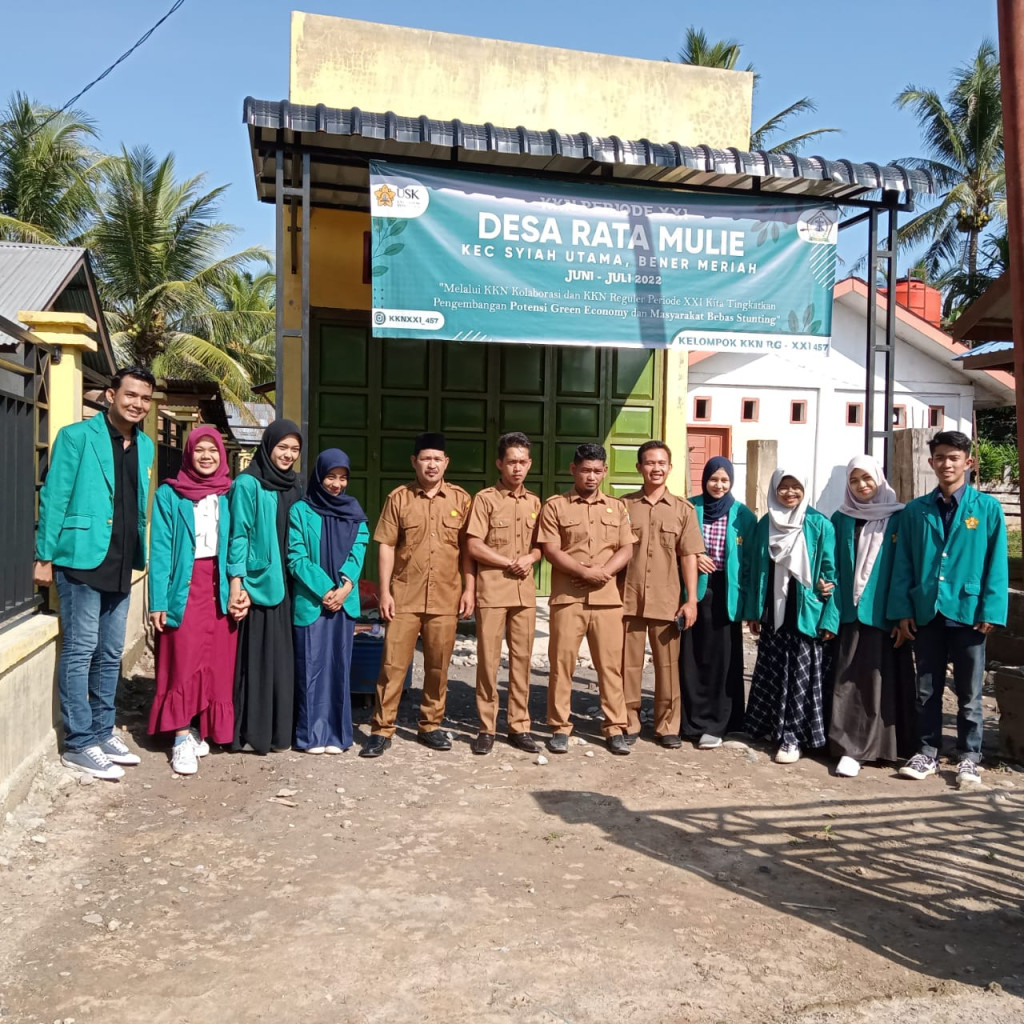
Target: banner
487, 257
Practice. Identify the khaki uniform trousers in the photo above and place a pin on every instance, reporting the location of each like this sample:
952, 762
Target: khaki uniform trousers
602, 627
438, 633
491, 627
665, 644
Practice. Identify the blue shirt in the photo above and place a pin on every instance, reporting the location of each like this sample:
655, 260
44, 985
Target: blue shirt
947, 509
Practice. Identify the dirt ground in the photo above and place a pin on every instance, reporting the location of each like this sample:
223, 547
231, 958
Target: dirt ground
681, 887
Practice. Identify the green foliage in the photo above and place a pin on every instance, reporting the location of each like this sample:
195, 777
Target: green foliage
993, 457
998, 424
698, 50
963, 137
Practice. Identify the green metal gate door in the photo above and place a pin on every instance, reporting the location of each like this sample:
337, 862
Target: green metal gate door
371, 396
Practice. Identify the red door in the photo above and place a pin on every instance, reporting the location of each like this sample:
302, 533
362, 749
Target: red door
705, 443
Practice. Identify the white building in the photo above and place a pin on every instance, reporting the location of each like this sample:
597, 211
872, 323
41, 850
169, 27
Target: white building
813, 403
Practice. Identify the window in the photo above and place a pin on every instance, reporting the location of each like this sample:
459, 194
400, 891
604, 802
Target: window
854, 414
899, 415
702, 408
936, 415
798, 412
750, 409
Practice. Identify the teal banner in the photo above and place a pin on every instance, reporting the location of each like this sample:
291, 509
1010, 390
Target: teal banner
489, 257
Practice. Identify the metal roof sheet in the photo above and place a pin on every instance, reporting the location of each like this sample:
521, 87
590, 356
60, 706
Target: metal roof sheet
31, 276
987, 348
336, 133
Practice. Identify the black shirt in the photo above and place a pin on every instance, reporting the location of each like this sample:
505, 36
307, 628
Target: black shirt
114, 573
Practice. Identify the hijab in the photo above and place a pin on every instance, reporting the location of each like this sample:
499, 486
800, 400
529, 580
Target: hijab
787, 545
341, 513
717, 508
285, 483
189, 483
874, 514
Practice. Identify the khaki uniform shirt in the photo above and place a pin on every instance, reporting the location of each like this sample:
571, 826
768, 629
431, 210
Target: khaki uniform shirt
665, 531
591, 531
425, 533
506, 521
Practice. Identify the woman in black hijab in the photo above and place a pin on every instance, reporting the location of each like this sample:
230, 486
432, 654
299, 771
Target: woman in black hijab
261, 500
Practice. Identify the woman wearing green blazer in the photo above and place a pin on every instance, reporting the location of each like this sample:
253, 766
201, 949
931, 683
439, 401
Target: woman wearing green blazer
711, 654
261, 500
873, 672
327, 538
792, 563
188, 600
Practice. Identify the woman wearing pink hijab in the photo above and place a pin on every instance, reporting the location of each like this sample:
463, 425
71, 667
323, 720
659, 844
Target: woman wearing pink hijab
196, 630
873, 676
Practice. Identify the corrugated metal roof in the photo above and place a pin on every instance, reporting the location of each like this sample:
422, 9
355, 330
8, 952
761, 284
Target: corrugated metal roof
361, 134
31, 276
987, 348
249, 431
58, 278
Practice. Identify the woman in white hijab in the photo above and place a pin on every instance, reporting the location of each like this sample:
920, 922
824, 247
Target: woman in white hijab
789, 605
872, 708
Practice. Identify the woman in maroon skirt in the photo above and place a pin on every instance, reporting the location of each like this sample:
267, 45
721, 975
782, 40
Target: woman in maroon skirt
196, 630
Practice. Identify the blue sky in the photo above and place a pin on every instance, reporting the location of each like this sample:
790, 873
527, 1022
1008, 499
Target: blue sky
182, 91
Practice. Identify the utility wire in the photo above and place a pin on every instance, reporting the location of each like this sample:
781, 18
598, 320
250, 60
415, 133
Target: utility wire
99, 78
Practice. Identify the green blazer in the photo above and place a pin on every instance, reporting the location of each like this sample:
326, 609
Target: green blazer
964, 577
739, 535
311, 581
813, 614
254, 554
172, 551
76, 504
870, 609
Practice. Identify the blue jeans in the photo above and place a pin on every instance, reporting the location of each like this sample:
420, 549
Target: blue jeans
935, 645
93, 625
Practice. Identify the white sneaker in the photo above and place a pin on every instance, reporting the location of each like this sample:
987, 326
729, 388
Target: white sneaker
709, 742
202, 747
332, 749
92, 761
117, 750
967, 776
184, 759
849, 767
315, 750
788, 753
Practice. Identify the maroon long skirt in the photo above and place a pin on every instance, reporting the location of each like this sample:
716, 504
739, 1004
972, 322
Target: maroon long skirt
195, 664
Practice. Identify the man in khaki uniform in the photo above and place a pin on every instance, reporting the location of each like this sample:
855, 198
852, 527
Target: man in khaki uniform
668, 539
585, 535
421, 592
501, 538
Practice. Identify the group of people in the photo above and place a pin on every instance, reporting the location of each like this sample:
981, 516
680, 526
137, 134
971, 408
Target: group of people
254, 593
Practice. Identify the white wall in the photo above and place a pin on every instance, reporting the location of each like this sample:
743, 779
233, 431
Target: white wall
827, 382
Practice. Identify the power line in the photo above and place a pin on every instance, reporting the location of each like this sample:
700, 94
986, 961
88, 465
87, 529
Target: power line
99, 78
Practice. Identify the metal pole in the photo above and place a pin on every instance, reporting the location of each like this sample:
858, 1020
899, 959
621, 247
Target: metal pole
890, 338
279, 298
872, 331
305, 299
1011, 66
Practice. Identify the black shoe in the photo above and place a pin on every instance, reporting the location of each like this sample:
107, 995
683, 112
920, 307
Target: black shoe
436, 739
524, 741
375, 746
618, 744
483, 743
669, 742
559, 743
631, 737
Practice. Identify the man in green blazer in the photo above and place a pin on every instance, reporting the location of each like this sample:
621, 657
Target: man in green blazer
91, 535
949, 590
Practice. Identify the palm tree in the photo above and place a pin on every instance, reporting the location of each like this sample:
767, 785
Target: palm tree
963, 137
243, 324
158, 250
48, 172
725, 53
